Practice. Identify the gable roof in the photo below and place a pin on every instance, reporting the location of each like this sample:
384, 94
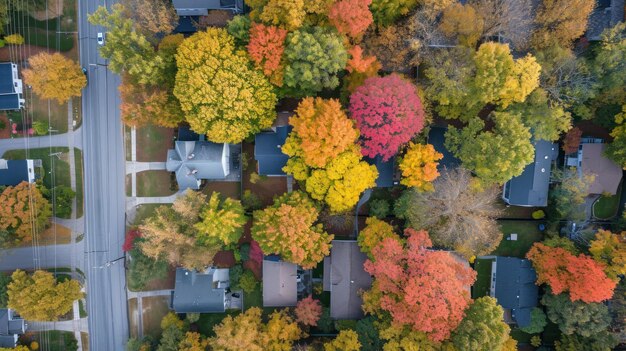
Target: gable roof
436, 137
197, 292
10, 87
267, 151
347, 277
13, 172
280, 287
515, 287
607, 174
196, 160
386, 170
531, 187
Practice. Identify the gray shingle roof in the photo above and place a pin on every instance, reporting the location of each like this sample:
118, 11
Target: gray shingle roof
10, 328
531, 187
196, 160
196, 292
347, 277
515, 287
280, 287
267, 151
200, 7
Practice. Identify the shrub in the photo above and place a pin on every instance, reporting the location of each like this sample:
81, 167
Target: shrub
3, 123
15, 39
2, 43
539, 214
250, 200
535, 340
248, 282
254, 177
41, 127
379, 208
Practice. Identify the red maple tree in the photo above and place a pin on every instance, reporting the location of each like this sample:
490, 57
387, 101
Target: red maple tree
266, 47
388, 112
351, 17
581, 275
572, 140
129, 241
425, 289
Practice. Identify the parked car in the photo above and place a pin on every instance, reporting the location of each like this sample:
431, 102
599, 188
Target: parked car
100, 38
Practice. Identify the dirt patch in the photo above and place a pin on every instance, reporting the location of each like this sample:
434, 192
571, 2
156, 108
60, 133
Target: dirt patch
215, 18
154, 309
55, 235
162, 284
5, 132
230, 189
224, 259
54, 10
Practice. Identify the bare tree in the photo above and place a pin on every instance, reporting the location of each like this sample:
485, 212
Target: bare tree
509, 19
456, 215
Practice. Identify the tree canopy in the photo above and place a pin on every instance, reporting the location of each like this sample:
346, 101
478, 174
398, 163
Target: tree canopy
561, 21
222, 221
419, 166
351, 17
54, 76
24, 212
584, 319
610, 250
482, 328
220, 93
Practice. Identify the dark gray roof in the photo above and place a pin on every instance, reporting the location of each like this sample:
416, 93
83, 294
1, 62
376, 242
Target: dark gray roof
196, 292
385, 169
515, 287
195, 160
10, 328
436, 137
606, 15
9, 95
267, 151
347, 277
186, 134
531, 187
280, 286
200, 7
15, 172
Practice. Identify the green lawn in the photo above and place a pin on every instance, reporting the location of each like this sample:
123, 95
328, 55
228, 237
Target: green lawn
527, 235
606, 206
154, 183
483, 279
78, 159
254, 299
48, 111
81, 308
55, 340
43, 33
61, 168
153, 143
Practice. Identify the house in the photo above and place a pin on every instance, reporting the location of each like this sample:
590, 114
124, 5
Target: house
193, 161
10, 328
267, 151
202, 292
345, 277
280, 283
436, 137
590, 161
202, 7
531, 187
13, 172
10, 87
386, 171
606, 14
513, 285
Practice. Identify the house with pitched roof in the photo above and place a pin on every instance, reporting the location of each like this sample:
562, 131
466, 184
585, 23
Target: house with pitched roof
280, 283
193, 161
591, 161
11, 327
531, 187
267, 151
10, 87
13, 172
513, 285
203, 292
345, 277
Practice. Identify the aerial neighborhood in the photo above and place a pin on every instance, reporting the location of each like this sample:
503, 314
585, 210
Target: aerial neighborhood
313, 175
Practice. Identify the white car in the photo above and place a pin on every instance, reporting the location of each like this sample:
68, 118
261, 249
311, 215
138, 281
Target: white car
100, 38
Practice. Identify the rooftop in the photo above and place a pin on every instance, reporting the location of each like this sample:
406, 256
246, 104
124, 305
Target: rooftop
10, 87
280, 287
607, 174
436, 137
514, 287
200, 292
13, 172
267, 151
606, 15
201, 7
386, 171
196, 160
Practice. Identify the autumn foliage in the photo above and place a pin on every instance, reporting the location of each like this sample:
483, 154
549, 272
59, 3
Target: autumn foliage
308, 311
388, 112
23, 211
374, 232
580, 275
266, 47
54, 76
129, 241
360, 67
351, 17
288, 228
419, 166
425, 289
610, 250
143, 105
572, 140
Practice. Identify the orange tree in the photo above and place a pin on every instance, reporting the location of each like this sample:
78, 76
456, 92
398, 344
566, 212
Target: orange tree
54, 76
419, 166
288, 228
265, 48
23, 211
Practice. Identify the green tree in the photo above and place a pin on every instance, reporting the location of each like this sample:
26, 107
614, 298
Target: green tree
239, 28
142, 269
494, 156
63, 200
616, 150
126, 49
222, 221
227, 100
609, 66
576, 317
546, 120
368, 334
5, 280
386, 12
39, 297
482, 328
41, 127
569, 195
313, 58
538, 321
602, 341
173, 332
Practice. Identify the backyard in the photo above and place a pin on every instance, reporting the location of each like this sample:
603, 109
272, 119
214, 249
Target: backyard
606, 207
53, 340
266, 188
483, 279
527, 234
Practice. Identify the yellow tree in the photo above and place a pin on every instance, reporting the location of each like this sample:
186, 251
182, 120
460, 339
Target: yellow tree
288, 228
610, 249
464, 22
346, 340
374, 232
221, 94
193, 342
419, 166
287, 14
561, 21
282, 331
23, 212
222, 221
143, 105
40, 297
54, 76
323, 130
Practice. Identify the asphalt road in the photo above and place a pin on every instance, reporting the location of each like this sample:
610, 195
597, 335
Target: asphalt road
103, 152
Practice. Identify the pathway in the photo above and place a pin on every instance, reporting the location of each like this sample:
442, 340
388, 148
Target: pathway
136, 167
46, 141
70, 326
